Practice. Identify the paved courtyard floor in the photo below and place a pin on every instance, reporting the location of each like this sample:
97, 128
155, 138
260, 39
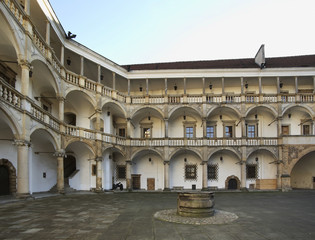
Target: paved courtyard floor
272, 215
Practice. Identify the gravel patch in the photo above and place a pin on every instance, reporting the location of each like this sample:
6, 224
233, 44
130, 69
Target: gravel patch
220, 217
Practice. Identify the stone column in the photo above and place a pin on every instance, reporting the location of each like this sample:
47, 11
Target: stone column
204, 175
28, 7
259, 84
128, 87
203, 86
185, 86
48, 32
243, 125
166, 127
223, 91
23, 189
128, 175
114, 81
243, 174
147, 86
165, 86
296, 85
61, 108
60, 171
62, 55
99, 73
166, 176
242, 85
82, 66
99, 174
25, 77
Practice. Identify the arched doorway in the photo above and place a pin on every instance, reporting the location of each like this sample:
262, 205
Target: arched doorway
69, 165
4, 180
7, 178
232, 183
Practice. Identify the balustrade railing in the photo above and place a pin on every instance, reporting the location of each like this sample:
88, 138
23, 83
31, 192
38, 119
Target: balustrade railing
15, 9
270, 98
73, 78
306, 98
232, 98
194, 98
252, 98
286, 98
107, 91
175, 99
213, 98
156, 99
39, 42
9, 94
88, 84
121, 97
138, 100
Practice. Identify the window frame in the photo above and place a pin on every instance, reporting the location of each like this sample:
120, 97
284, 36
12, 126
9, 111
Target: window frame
191, 172
229, 124
189, 124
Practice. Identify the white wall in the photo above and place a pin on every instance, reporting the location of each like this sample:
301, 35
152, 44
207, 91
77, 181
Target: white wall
303, 172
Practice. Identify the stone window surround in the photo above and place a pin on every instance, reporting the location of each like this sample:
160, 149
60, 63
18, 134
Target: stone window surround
227, 123
252, 122
190, 124
146, 125
214, 125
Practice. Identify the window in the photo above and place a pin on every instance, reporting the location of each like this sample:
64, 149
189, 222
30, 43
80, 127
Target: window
191, 172
285, 130
122, 132
306, 129
251, 131
189, 132
210, 132
228, 131
146, 132
94, 169
213, 172
121, 172
251, 171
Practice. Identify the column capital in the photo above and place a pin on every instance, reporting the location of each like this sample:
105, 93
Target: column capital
25, 63
128, 162
98, 159
166, 162
60, 153
21, 142
204, 162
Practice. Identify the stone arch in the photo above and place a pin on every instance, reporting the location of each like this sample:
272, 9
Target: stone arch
210, 111
90, 146
6, 114
120, 106
271, 110
114, 149
91, 98
51, 70
307, 108
178, 108
233, 177
53, 138
229, 149
185, 150
142, 151
300, 155
155, 109
253, 150
12, 174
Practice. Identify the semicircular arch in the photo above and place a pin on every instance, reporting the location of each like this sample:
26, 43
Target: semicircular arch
216, 108
51, 135
6, 115
186, 109
142, 152
268, 108
296, 160
228, 149
185, 151
309, 110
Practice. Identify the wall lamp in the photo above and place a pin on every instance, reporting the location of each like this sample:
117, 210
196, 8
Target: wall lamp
280, 84
175, 87
246, 85
140, 89
256, 159
256, 116
102, 77
150, 159
221, 117
185, 159
289, 115
221, 158
210, 86
68, 61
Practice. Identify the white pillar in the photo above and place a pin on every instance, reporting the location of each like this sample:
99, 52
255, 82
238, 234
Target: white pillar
47, 32
204, 165
23, 189
166, 176
99, 174
82, 66
128, 175
114, 81
28, 7
62, 55
99, 73
25, 78
243, 174
60, 171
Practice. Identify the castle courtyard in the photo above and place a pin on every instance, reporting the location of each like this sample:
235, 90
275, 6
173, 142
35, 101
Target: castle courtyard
123, 215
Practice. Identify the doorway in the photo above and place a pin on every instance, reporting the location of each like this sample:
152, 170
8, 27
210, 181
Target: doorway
232, 184
4, 180
136, 181
151, 183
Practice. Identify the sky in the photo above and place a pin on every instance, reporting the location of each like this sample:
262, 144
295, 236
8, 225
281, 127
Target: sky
151, 31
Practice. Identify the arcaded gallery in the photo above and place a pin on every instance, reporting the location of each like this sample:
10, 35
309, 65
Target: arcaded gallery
71, 119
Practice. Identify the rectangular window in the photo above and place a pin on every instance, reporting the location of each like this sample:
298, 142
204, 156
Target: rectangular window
189, 132
306, 129
251, 171
213, 172
121, 172
228, 131
122, 132
147, 132
210, 132
285, 130
191, 172
251, 131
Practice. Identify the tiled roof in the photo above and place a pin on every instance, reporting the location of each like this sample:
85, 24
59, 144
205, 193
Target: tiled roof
277, 62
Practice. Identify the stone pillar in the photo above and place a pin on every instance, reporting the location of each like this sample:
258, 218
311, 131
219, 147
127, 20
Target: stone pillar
128, 175
48, 32
25, 77
165, 86
128, 87
60, 171
242, 85
82, 66
223, 91
61, 108
166, 176
278, 85
259, 83
147, 86
166, 128
114, 81
243, 125
204, 127
23, 189
62, 55
204, 175
243, 174
296, 85
185, 88
28, 7
99, 174
99, 73
128, 130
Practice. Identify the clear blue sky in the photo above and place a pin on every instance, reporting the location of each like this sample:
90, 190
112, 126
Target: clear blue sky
144, 31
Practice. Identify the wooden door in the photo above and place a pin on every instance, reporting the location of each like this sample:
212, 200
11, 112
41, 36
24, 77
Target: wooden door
285, 130
151, 183
4, 181
232, 184
136, 181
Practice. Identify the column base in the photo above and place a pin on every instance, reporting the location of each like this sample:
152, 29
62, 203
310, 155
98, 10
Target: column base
205, 189
244, 189
61, 191
99, 190
23, 195
166, 190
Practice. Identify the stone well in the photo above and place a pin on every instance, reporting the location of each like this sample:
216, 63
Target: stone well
195, 204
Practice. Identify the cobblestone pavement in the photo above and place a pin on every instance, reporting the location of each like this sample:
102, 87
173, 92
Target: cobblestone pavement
273, 215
